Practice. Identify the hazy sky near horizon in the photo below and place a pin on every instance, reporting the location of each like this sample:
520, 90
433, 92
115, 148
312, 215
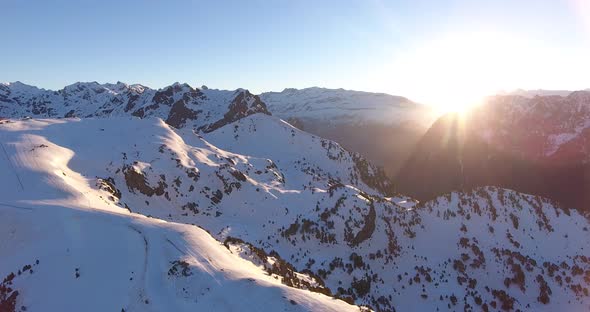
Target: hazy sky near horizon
426, 50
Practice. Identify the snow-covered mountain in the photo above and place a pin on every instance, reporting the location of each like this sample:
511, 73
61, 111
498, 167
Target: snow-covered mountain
345, 106
65, 246
538, 92
538, 145
179, 104
383, 127
539, 127
298, 207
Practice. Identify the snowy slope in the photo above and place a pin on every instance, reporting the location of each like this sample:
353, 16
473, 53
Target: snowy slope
269, 137
96, 261
65, 248
294, 199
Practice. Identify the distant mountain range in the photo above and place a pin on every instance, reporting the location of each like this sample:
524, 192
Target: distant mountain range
346, 106
538, 145
189, 198
538, 92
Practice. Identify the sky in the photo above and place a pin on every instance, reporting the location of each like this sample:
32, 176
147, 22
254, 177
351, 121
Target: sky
436, 52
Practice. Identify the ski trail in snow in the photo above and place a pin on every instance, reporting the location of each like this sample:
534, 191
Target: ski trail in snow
12, 166
174, 245
142, 297
16, 207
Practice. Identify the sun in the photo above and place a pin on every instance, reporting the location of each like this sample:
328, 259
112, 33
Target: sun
458, 102
457, 71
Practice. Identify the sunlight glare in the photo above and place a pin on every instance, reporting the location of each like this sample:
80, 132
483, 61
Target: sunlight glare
457, 71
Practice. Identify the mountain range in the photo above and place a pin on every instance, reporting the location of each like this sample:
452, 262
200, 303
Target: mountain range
121, 197
538, 145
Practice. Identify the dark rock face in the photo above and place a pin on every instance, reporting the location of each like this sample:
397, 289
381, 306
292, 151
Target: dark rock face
244, 104
179, 113
131, 102
70, 114
137, 181
164, 96
108, 185
459, 153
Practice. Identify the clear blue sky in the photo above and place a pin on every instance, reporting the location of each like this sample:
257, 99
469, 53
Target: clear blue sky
269, 45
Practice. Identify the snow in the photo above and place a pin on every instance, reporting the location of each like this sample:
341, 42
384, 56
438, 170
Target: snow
338, 105
123, 259
60, 185
77, 193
